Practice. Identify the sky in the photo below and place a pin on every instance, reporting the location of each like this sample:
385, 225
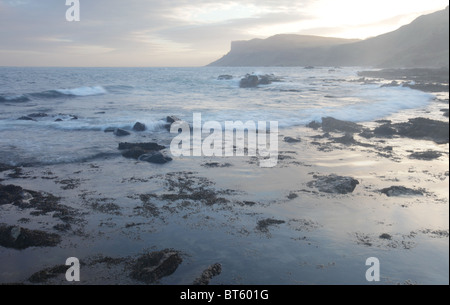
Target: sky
181, 33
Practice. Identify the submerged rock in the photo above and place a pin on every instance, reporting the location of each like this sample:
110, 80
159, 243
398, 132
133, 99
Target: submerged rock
155, 157
225, 77
121, 133
38, 115
425, 129
396, 191
263, 225
138, 150
346, 140
139, 127
330, 124
149, 146
20, 238
334, 184
385, 236
25, 118
153, 266
5, 167
48, 273
40, 203
385, 130
292, 140
11, 194
426, 155
208, 274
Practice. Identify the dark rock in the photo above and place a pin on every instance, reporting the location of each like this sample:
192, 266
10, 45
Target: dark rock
385, 236
321, 136
383, 121
425, 129
385, 130
38, 115
139, 127
428, 87
172, 119
331, 124
4, 168
46, 274
396, 191
367, 133
263, 225
62, 227
292, 140
110, 129
153, 266
150, 146
136, 150
225, 77
445, 112
19, 238
216, 165
334, 184
134, 153
314, 125
25, 118
208, 274
292, 196
155, 157
11, 194
264, 80
426, 155
391, 84
58, 120
41, 203
249, 81
252, 81
121, 133
346, 140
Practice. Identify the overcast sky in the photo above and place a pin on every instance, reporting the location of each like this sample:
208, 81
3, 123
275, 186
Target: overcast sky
181, 32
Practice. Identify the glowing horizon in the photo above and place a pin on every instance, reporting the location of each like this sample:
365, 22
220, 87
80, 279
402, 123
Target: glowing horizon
138, 33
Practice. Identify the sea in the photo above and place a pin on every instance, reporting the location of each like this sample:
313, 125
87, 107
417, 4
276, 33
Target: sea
267, 225
72, 107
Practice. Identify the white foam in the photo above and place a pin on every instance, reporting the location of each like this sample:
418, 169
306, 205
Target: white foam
84, 91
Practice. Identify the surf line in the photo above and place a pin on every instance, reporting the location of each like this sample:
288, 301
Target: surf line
236, 139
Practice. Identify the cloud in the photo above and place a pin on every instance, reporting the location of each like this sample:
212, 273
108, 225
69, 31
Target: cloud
147, 32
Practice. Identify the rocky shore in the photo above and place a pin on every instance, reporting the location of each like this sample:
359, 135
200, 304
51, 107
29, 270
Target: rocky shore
341, 192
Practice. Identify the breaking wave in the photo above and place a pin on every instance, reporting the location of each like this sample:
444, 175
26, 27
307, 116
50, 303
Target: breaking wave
81, 91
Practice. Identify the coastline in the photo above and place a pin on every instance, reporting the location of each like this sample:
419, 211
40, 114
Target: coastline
264, 226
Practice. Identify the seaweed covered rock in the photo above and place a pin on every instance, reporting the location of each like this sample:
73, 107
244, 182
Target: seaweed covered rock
153, 266
20, 238
396, 191
334, 184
